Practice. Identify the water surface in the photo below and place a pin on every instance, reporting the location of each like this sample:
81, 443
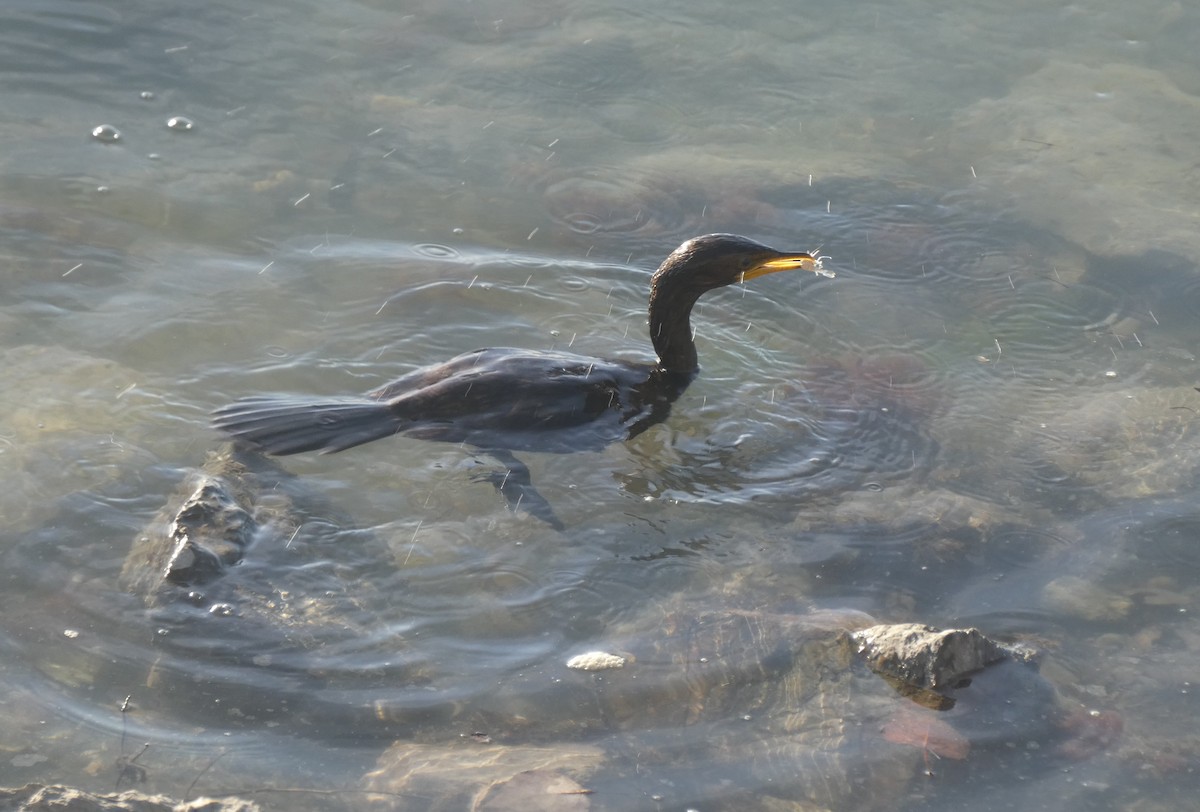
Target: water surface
987, 418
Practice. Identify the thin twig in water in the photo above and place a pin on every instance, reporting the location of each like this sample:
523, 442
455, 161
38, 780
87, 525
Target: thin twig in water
128, 767
200, 775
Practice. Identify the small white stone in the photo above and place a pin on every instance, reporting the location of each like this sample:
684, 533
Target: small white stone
595, 661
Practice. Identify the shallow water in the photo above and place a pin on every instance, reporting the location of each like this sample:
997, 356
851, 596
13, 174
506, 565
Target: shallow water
987, 418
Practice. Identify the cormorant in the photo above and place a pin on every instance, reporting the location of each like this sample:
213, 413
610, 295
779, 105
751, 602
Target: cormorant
501, 400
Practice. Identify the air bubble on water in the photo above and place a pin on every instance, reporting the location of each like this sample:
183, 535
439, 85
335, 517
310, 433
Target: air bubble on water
107, 133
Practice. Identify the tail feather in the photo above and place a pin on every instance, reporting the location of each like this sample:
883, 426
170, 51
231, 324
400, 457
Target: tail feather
291, 425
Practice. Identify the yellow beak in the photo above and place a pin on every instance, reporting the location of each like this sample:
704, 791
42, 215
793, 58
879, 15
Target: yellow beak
788, 262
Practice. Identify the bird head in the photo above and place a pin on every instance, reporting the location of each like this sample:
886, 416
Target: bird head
716, 260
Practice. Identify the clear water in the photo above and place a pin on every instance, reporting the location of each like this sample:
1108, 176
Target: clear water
988, 418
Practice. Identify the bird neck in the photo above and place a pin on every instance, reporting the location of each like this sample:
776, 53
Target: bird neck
671, 329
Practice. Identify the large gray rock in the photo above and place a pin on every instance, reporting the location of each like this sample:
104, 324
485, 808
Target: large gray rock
925, 657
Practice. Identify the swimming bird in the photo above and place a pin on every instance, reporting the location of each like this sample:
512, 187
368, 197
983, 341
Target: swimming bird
501, 400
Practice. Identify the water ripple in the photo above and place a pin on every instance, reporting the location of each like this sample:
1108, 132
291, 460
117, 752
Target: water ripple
435, 251
617, 201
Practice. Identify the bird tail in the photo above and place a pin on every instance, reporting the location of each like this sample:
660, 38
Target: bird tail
291, 425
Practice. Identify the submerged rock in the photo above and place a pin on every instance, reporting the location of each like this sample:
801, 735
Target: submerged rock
1075, 597
208, 525
471, 776
250, 580
43, 798
534, 791
242, 514
738, 709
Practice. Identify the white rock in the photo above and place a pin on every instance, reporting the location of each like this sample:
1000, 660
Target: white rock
595, 661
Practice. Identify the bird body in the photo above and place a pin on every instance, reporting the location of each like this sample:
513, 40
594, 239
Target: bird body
502, 400
495, 398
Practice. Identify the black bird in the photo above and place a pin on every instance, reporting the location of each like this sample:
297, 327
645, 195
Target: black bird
501, 400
